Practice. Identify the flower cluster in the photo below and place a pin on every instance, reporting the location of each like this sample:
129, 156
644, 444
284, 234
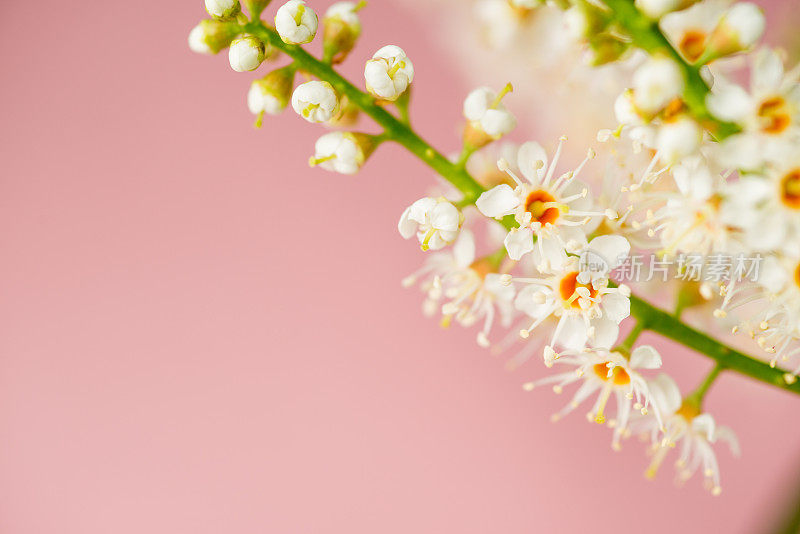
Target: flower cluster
524, 248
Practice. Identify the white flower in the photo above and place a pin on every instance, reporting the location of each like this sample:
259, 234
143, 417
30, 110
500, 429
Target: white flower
739, 29
246, 53
315, 101
342, 152
464, 288
677, 139
435, 221
769, 113
222, 9
389, 73
580, 296
296, 23
607, 373
554, 210
656, 83
686, 429
486, 113
689, 30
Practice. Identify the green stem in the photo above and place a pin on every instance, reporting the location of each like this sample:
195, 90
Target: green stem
696, 397
648, 36
667, 325
647, 315
627, 344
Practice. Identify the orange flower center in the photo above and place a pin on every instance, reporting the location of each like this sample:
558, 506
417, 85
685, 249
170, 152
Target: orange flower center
774, 115
797, 275
693, 44
618, 375
790, 189
568, 287
536, 205
688, 411
482, 267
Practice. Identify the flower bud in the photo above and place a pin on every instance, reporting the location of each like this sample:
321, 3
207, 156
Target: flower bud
435, 221
678, 139
271, 93
626, 112
212, 36
342, 29
223, 9
342, 152
655, 9
657, 82
488, 119
316, 101
577, 24
738, 29
296, 23
389, 73
246, 53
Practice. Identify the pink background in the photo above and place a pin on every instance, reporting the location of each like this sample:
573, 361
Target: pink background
201, 334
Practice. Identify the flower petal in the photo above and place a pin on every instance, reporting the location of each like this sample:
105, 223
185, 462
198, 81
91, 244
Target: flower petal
498, 201
645, 357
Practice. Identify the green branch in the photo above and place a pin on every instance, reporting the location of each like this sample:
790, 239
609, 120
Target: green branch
667, 325
648, 316
646, 35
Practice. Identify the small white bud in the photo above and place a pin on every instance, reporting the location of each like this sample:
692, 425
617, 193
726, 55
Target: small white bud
315, 101
342, 27
342, 152
389, 73
223, 9
488, 119
246, 53
271, 94
658, 81
435, 221
212, 36
296, 23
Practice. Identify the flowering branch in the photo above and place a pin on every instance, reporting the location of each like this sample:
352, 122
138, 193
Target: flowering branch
648, 315
574, 240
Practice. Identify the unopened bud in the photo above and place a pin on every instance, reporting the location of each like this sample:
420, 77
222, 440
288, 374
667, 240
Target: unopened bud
246, 53
212, 36
342, 152
488, 120
316, 101
296, 23
223, 9
271, 93
389, 73
342, 28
